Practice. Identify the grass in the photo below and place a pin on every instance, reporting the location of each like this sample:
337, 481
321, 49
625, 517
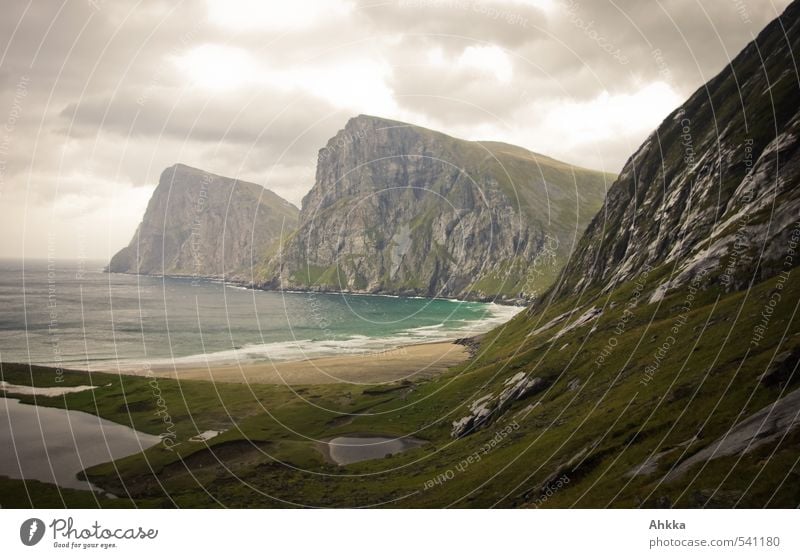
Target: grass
707, 382
526, 191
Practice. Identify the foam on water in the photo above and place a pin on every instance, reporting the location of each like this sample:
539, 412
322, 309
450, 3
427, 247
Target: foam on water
110, 321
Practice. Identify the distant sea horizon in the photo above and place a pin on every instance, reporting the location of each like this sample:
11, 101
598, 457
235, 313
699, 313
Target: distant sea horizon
73, 314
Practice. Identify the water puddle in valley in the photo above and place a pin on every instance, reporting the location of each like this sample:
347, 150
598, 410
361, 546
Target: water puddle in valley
344, 450
54, 445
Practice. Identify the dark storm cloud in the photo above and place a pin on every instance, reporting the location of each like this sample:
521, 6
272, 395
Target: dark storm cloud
508, 24
245, 118
99, 105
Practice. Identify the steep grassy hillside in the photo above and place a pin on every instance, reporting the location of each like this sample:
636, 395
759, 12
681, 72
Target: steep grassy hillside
599, 433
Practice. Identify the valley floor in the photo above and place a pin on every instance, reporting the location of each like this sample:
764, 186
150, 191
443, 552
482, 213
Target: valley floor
628, 403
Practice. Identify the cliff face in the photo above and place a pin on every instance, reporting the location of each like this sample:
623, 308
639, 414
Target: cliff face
401, 209
201, 224
714, 189
662, 368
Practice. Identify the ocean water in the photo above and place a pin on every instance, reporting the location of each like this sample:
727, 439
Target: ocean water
73, 315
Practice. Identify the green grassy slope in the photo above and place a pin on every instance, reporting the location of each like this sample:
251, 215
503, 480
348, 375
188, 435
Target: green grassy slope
586, 432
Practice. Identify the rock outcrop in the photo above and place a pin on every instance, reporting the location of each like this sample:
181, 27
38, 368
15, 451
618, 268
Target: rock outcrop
771, 423
488, 408
400, 209
714, 189
203, 225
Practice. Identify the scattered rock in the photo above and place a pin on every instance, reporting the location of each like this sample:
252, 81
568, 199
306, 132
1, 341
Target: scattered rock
763, 427
486, 409
523, 414
582, 320
471, 343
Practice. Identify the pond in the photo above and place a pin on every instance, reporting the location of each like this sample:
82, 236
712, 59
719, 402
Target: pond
54, 445
344, 450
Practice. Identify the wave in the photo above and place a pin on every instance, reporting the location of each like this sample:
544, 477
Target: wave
301, 349
237, 287
426, 328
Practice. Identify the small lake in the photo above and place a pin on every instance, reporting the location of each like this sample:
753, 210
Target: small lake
54, 445
344, 450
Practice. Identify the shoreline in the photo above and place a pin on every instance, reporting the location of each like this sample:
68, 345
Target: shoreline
404, 362
515, 302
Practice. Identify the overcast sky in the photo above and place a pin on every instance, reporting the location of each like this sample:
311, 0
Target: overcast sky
98, 97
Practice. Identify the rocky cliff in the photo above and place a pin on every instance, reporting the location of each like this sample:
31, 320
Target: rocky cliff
667, 352
201, 224
401, 209
714, 189
603, 398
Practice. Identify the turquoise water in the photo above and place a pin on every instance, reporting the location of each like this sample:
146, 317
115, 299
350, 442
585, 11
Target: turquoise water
71, 314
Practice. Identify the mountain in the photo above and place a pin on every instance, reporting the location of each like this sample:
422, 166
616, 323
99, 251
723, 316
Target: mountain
714, 190
661, 370
204, 225
401, 209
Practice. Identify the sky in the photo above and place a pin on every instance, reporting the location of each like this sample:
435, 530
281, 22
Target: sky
97, 97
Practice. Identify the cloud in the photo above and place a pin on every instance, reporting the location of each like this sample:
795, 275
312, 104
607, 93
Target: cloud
508, 24
116, 91
257, 15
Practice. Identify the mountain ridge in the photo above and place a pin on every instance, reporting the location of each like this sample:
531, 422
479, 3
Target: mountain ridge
719, 150
204, 225
405, 210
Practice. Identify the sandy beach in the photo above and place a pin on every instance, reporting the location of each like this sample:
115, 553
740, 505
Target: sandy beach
405, 362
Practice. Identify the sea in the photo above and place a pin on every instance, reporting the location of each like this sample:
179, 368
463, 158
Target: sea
71, 314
